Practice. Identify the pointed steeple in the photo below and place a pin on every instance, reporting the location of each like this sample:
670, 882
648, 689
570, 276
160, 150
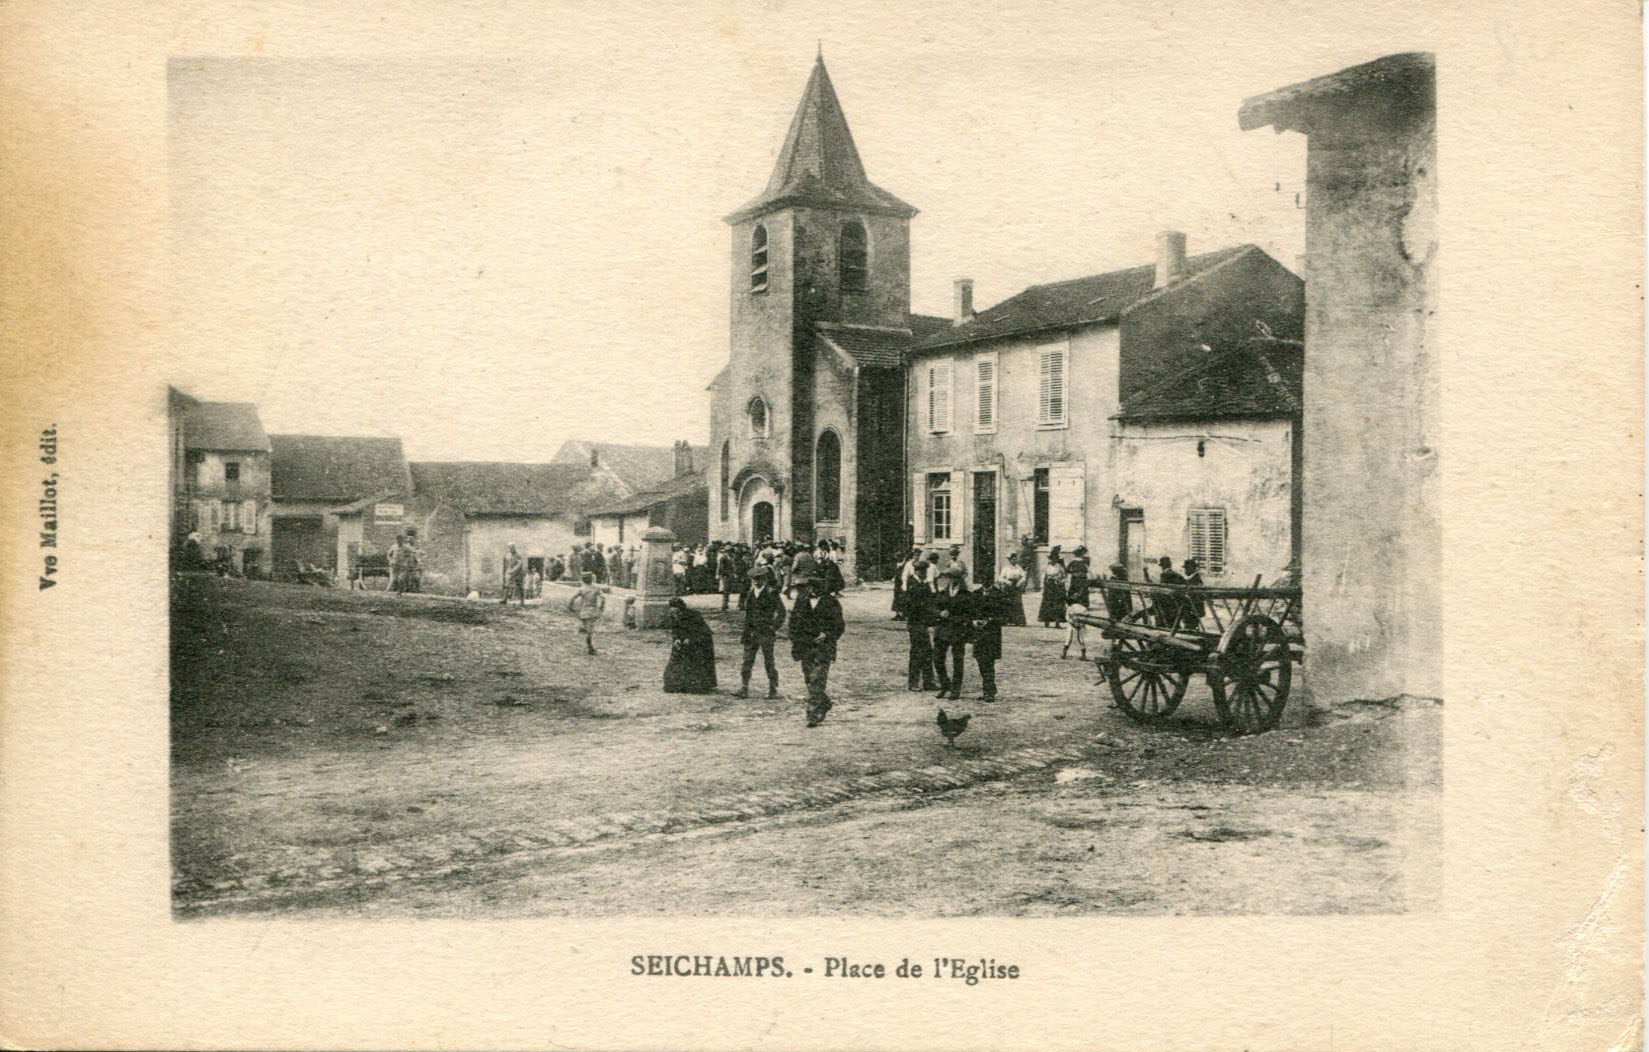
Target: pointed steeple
819, 165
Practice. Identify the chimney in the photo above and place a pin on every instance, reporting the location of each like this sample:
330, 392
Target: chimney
964, 301
1170, 257
684, 458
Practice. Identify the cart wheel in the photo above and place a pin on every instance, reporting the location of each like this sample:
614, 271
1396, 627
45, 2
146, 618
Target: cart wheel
1251, 677
1143, 679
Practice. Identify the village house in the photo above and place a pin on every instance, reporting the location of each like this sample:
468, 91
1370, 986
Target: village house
1371, 555
463, 515
1207, 466
1013, 413
222, 489
627, 469
313, 475
678, 506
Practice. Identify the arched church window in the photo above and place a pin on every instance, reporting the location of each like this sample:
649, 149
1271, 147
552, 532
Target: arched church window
758, 418
828, 465
758, 259
853, 257
726, 479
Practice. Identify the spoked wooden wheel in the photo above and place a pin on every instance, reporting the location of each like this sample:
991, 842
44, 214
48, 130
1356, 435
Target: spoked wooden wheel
1145, 680
1251, 678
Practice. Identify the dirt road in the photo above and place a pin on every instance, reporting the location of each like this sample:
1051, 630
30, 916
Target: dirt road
358, 753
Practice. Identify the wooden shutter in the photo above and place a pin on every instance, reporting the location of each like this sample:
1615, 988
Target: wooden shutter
918, 508
984, 386
1206, 540
1051, 386
249, 517
940, 398
958, 506
1067, 505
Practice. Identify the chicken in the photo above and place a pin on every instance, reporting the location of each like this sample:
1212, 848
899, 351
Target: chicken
950, 728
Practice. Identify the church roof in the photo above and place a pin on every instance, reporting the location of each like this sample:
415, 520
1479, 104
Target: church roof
819, 166
1258, 378
1080, 301
871, 348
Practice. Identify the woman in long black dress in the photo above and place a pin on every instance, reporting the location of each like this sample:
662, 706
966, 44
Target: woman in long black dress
692, 665
1051, 612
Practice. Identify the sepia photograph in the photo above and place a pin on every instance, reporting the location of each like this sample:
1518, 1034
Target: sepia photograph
836, 526
838, 486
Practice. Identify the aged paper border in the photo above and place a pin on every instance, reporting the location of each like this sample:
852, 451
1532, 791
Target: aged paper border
1539, 941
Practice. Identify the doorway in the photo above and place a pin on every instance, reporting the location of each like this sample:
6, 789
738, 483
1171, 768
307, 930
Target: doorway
761, 522
1131, 542
984, 527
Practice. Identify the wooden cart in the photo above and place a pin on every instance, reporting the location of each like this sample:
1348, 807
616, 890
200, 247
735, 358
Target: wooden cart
1244, 640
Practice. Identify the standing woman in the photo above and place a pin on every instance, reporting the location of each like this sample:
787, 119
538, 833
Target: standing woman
1052, 610
1076, 601
1013, 592
692, 665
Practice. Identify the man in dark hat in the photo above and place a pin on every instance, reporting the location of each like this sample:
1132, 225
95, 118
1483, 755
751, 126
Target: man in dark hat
1192, 609
919, 618
816, 623
1167, 608
952, 628
764, 614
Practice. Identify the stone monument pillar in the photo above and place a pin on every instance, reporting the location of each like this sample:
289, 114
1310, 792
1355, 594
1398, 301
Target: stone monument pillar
656, 585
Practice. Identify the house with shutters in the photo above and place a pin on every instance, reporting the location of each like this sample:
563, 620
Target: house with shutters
1015, 413
311, 476
1208, 462
220, 486
841, 414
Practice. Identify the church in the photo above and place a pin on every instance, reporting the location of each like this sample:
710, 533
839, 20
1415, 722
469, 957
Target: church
807, 418
841, 415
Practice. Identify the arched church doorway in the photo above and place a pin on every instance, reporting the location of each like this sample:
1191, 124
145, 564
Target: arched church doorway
758, 512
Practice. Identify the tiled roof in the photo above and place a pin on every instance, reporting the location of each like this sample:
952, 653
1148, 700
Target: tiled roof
1259, 378
1080, 301
819, 165
872, 348
335, 467
494, 488
687, 485
224, 425
1407, 79
638, 467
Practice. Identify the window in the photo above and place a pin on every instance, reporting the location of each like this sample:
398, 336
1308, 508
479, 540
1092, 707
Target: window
1050, 367
758, 260
1039, 506
231, 479
984, 393
853, 257
1205, 538
726, 478
827, 465
231, 516
939, 517
937, 386
758, 418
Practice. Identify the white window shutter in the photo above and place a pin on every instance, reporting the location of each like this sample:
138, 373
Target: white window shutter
958, 506
984, 381
1067, 505
249, 516
942, 396
918, 508
929, 393
1051, 386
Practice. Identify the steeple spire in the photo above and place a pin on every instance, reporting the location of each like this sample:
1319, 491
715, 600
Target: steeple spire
819, 165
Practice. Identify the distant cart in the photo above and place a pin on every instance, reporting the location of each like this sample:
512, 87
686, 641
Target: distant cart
1244, 640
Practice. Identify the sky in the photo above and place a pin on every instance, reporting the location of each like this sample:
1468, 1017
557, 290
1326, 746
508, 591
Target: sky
490, 256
